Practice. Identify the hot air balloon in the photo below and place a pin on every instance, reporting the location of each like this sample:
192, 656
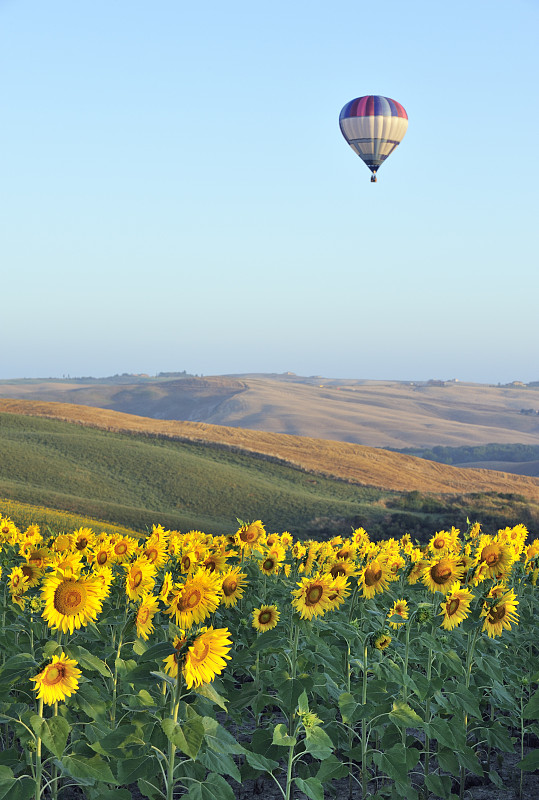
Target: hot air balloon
373, 126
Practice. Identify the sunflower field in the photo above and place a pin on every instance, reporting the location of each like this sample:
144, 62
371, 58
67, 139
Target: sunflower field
185, 664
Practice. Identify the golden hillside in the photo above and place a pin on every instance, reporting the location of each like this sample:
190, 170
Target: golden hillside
376, 413
366, 466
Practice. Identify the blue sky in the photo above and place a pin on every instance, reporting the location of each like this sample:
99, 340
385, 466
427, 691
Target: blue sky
176, 193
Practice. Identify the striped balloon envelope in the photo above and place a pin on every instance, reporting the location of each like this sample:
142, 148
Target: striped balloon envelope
373, 126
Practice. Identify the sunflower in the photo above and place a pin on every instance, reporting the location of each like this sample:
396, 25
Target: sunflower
68, 565
17, 582
233, 585
416, 569
382, 640
215, 562
145, 614
312, 553
394, 562
102, 554
83, 538
20, 600
105, 578
287, 539
312, 599
343, 568
33, 533
123, 549
59, 679
265, 618
71, 602
33, 573
441, 573
498, 556
360, 537
250, 535
140, 579
8, 530
532, 551
40, 556
158, 534
62, 542
456, 606
167, 588
171, 662
298, 550
500, 613
516, 537
444, 542
206, 657
398, 609
272, 560
339, 590
156, 552
188, 561
348, 551
374, 578
196, 599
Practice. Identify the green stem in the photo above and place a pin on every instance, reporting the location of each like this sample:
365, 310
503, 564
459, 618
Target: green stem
427, 719
347, 672
469, 661
405, 671
521, 745
364, 726
175, 706
289, 772
38, 756
257, 669
54, 780
353, 602
115, 684
294, 640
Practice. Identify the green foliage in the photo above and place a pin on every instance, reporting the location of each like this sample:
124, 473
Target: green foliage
512, 453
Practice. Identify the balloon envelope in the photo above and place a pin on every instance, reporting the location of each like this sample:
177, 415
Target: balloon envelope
373, 126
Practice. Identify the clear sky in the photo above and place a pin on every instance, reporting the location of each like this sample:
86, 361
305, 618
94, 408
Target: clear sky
175, 192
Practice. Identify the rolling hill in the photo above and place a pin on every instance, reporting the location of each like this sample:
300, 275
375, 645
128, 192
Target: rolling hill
136, 471
386, 414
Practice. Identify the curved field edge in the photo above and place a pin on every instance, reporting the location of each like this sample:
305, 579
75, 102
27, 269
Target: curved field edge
365, 466
140, 478
55, 520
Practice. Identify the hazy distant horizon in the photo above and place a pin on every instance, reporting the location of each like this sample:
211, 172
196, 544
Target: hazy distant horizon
261, 373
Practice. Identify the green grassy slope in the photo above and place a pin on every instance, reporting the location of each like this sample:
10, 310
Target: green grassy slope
135, 480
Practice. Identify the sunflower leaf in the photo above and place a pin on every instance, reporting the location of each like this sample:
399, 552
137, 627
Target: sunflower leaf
403, 714
318, 743
261, 763
219, 739
87, 660
88, 769
12, 788
281, 737
213, 788
531, 709
208, 691
311, 787
157, 652
53, 732
188, 736
221, 763
440, 785
530, 762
